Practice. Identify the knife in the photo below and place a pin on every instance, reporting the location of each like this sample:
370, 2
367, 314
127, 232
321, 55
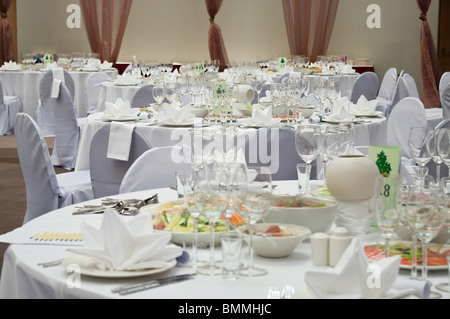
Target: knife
128, 289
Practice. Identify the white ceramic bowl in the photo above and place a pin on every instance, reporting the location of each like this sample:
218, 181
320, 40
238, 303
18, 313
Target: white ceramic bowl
318, 218
307, 110
200, 112
266, 245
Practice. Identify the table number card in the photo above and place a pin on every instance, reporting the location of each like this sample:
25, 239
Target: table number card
388, 160
199, 68
220, 92
282, 62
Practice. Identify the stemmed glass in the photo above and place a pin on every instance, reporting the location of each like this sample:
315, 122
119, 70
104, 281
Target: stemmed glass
212, 201
443, 145
436, 158
173, 93
424, 215
195, 85
159, 93
419, 145
320, 93
444, 191
307, 146
253, 209
332, 91
257, 84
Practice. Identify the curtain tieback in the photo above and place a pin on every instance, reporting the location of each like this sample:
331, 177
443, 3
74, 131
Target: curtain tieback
4, 15
423, 17
211, 20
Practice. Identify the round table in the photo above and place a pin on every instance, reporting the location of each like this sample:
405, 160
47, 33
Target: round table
25, 85
22, 277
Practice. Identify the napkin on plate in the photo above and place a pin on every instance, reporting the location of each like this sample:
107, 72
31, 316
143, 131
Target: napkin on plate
92, 64
355, 278
261, 118
11, 66
174, 114
58, 78
363, 106
119, 143
106, 65
127, 243
340, 111
119, 110
126, 79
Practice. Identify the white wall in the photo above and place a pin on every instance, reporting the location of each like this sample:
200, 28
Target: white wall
177, 30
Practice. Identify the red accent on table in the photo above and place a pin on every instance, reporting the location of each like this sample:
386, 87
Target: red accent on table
364, 68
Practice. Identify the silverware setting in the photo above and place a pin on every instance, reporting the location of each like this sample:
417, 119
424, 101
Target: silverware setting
51, 263
133, 288
128, 207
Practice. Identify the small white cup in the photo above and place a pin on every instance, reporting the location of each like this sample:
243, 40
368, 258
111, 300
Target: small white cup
319, 249
231, 252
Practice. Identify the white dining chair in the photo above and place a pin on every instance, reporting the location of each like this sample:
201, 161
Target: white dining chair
444, 81
44, 114
409, 112
46, 190
92, 90
10, 106
143, 96
366, 84
445, 102
107, 173
67, 130
401, 91
275, 148
156, 168
388, 85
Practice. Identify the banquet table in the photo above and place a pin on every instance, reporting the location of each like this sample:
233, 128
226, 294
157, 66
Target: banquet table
370, 131
110, 92
25, 85
22, 277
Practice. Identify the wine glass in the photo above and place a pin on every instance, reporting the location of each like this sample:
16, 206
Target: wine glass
212, 201
385, 205
444, 191
436, 158
258, 84
159, 93
424, 215
195, 85
419, 145
320, 93
254, 207
443, 145
332, 91
173, 93
307, 146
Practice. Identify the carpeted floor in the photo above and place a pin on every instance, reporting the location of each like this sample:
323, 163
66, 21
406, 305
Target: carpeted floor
12, 188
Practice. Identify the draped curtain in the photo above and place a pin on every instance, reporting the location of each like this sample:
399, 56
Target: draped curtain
429, 64
297, 16
216, 44
107, 40
6, 44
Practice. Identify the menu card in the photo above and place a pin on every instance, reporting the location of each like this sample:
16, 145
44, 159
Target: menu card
199, 68
282, 62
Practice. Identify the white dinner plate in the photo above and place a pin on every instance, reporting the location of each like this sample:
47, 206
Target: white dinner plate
10, 70
374, 114
126, 84
88, 267
337, 122
440, 248
125, 119
184, 124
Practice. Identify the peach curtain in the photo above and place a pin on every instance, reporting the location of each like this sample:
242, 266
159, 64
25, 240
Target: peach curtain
216, 44
6, 43
429, 64
106, 41
297, 16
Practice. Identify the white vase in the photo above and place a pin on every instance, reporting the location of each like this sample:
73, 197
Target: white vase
351, 177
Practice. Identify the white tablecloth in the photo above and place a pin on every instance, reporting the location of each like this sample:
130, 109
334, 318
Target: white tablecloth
109, 92
23, 278
25, 85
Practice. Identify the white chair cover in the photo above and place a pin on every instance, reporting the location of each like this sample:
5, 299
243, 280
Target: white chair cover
107, 173
92, 88
408, 113
445, 80
45, 190
411, 85
10, 106
156, 168
402, 91
45, 115
388, 84
143, 96
67, 130
275, 148
366, 84
445, 102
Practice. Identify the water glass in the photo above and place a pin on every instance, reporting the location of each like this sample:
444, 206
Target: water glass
231, 252
302, 175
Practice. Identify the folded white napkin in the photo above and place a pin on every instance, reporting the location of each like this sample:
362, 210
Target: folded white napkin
11, 66
174, 114
355, 216
127, 79
261, 118
267, 98
340, 111
243, 93
355, 278
127, 243
92, 64
58, 78
119, 143
106, 65
363, 106
119, 110
346, 68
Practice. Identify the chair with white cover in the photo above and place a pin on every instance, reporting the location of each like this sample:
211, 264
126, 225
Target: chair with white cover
156, 168
143, 96
10, 106
45, 190
366, 84
275, 148
107, 173
445, 80
388, 85
67, 130
92, 88
403, 90
445, 102
48, 89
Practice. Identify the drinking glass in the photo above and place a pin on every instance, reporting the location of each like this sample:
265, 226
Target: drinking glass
307, 146
435, 156
195, 85
443, 145
255, 206
320, 93
419, 145
159, 93
444, 191
332, 91
424, 215
258, 84
212, 201
173, 93
237, 186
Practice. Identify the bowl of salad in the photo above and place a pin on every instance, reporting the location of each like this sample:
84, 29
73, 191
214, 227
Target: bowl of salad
316, 214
